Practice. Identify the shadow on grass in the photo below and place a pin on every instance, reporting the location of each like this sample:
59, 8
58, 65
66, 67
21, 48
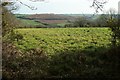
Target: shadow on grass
92, 62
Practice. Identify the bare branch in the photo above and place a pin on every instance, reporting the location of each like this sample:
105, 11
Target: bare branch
31, 7
98, 5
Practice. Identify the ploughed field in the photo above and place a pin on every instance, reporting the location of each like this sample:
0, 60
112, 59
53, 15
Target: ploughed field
56, 40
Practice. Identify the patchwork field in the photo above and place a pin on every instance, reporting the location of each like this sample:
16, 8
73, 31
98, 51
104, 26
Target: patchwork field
53, 21
52, 40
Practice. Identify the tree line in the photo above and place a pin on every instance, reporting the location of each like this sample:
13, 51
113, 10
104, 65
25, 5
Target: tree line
101, 20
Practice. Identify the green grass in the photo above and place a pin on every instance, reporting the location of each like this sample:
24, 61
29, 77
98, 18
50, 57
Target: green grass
21, 15
52, 40
26, 22
31, 23
71, 52
63, 24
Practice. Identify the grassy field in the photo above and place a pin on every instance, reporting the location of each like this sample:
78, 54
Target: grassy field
52, 40
62, 53
30, 23
59, 53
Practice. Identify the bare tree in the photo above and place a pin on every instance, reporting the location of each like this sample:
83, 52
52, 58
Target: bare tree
98, 5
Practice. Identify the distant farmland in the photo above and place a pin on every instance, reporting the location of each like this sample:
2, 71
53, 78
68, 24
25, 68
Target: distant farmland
53, 21
50, 20
46, 20
50, 17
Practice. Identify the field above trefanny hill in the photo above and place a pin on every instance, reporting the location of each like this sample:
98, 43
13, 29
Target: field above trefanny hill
55, 40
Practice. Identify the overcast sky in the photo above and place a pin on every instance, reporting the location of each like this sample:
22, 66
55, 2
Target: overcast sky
64, 6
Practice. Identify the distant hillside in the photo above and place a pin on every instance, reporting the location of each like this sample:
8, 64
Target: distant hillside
55, 16
50, 16
51, 20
